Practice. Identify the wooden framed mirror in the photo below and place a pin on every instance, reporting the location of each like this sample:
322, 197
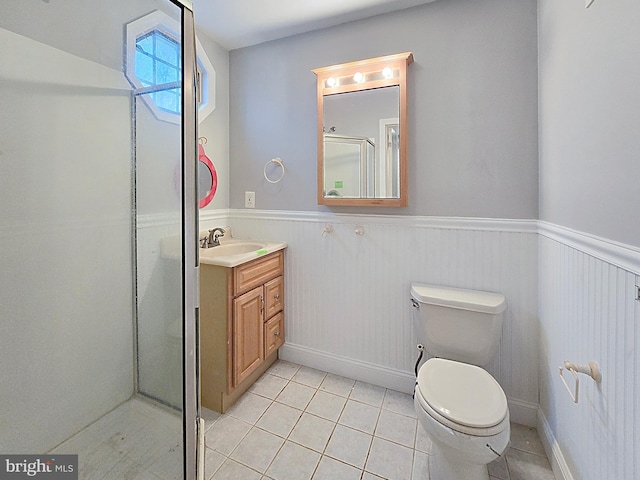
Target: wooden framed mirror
362, 132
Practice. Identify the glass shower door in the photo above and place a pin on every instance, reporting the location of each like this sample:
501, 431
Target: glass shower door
96, 221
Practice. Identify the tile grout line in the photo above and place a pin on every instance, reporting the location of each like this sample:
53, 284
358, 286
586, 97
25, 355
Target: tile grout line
400, 410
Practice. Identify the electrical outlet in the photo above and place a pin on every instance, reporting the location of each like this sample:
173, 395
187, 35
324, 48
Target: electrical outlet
249, 199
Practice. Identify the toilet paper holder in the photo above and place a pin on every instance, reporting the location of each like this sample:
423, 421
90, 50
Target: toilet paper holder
592, 369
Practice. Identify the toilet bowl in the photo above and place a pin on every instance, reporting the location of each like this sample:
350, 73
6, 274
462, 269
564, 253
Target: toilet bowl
464, 411
460, 405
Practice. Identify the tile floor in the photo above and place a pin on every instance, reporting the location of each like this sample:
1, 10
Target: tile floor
296, 423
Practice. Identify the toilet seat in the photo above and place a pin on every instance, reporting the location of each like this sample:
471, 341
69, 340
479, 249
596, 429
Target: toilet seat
463, 397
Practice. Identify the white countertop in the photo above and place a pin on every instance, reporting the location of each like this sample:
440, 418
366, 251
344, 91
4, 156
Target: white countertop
208, 256
223, 255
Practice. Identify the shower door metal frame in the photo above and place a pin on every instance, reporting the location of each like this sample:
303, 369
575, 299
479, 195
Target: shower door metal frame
190, 261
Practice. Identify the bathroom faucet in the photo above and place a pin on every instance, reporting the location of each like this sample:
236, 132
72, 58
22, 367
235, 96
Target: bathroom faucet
212, 239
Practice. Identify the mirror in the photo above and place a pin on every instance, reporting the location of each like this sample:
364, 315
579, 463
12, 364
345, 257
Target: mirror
207, 178
362, 132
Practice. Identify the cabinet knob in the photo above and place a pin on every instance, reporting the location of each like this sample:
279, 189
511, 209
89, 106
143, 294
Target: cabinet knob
277, 334
277, 296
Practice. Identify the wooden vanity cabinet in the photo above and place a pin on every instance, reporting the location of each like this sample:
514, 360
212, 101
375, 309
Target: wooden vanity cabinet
241, 326
248, 334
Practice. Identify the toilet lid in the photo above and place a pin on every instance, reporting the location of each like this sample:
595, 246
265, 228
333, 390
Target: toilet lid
462, 393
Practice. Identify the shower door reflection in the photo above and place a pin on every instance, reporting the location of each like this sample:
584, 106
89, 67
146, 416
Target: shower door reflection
158, 264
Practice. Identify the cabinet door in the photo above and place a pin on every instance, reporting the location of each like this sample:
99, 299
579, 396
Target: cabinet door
248, 334
273, 334
274, 296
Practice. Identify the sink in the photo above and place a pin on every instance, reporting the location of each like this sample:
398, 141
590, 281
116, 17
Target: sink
235, 251
229, 249
231, 252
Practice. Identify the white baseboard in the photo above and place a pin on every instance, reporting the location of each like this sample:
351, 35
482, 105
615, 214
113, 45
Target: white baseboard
347, 367
523, 413
558, 464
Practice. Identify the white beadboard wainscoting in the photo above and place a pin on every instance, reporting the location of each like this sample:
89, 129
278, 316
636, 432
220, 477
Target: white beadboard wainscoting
347, 300
589, 312
158, 305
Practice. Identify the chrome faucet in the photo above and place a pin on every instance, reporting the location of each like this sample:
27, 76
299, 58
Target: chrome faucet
212, 240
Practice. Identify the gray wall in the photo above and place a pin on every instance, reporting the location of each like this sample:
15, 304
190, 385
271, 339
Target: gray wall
590, 117
473, 108
216, 126
589, 84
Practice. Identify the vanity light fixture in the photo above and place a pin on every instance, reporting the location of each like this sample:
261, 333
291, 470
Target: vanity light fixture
360, 77
383, 81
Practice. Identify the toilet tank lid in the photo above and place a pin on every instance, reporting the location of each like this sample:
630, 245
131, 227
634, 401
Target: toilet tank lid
473, 300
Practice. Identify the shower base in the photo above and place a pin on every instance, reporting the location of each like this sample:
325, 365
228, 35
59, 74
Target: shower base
137, 440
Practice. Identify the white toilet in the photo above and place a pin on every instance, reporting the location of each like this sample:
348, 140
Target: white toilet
460, 405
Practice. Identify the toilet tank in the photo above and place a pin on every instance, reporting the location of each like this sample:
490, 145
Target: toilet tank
457, 324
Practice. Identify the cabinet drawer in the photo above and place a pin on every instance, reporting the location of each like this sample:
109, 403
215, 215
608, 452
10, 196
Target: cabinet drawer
274, 296
257, 272
273, 334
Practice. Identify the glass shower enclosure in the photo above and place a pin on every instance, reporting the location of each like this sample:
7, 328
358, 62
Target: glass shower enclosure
98, 225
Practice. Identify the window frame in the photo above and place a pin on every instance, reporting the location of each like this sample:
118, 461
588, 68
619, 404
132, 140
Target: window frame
163, 23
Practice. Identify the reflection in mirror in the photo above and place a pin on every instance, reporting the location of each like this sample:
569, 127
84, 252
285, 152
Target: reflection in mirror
207, 177
348, 169
362, 132
361, 149
205, 180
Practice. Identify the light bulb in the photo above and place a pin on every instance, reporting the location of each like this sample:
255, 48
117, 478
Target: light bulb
358, 77
387, 72
331, 82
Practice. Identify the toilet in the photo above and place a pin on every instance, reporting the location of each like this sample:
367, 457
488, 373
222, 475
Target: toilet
460, 405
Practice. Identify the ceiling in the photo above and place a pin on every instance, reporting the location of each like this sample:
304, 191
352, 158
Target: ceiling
240, 23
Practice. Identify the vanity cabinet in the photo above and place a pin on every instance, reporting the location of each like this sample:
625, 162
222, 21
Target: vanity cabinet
241, 326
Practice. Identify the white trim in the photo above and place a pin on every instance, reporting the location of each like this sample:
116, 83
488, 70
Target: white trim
207, 83
137, 28
452, 223
523, 413
558, 464
210, 215
171, 27
348, 367
383, 182
616, 253
152, 220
